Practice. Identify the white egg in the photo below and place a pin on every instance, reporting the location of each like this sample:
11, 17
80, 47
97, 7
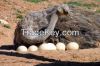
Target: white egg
72, 46
33, 48
22, 49
47, 46
60, 46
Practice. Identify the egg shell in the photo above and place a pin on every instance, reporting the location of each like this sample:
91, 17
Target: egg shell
22, 49
72, 46
47, 46
33, 48
60, 46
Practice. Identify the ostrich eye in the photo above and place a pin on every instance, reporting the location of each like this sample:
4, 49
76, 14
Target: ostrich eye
60, 10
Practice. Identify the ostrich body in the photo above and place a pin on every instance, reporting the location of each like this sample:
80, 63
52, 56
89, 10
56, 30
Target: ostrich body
27, 31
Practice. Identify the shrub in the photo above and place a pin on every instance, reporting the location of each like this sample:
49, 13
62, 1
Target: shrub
97, 11
35, 1
74, 3
83, 4
19, 14
7, 26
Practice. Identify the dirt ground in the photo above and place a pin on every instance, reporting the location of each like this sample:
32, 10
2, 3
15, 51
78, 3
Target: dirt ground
9, 11
12, 10
83, 57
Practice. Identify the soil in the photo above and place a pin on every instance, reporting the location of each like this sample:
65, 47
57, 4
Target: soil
9, 10
45, 58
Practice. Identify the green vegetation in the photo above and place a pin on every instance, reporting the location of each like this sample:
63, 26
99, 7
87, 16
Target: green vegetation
7, 26
82, 4
19, 14
35, 1
97, 11
89, 5
74, 3
0, 22
97, 0
18, 11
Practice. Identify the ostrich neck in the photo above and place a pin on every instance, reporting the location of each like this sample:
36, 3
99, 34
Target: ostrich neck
53, 22
51, 26
49, 29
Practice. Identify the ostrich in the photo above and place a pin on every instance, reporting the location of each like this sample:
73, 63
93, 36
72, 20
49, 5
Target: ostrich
33, 22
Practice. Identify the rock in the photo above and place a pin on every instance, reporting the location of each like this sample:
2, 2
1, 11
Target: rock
33, 48
60, 46
47, 46
72, 46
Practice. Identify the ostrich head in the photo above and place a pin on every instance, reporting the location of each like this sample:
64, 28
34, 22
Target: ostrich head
63, 9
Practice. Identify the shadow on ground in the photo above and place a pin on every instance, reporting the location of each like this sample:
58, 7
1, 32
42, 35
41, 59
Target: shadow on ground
61, 63
42, 58
7, 47
27, 55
